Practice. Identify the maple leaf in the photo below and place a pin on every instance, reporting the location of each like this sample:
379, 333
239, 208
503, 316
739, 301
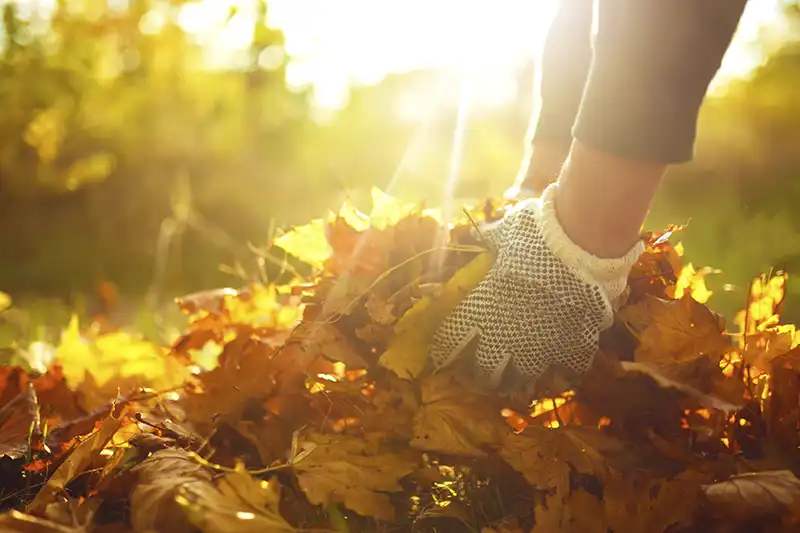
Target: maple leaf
346, 470
407, 352
320, 339
244, 375
456, 419
545, 457
674, 332
763, 347
644, 505
756, 493
18, 424
78, 460
693, 282
116, 355
160, 478
307, 243
238, 503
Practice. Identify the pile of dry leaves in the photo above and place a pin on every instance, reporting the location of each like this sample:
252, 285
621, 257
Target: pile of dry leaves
250, 422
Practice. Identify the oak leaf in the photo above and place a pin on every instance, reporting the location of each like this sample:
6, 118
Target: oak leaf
456, 419
340, 469
407, 352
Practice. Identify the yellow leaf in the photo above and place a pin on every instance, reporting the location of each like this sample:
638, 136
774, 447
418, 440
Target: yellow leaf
408, 351
307, 243
90, 169
387, 210
340, 469
5, 301
693, 281
353, 217
262, 308
456, 420
115, 355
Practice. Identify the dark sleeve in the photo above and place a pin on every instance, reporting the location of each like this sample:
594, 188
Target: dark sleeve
566, 58
653, 62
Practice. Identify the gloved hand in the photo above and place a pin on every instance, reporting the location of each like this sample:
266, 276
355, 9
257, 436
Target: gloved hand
545, 300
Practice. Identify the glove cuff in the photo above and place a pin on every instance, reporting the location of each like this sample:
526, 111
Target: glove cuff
611, 275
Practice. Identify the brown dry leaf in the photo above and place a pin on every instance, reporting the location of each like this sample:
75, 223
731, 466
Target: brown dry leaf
79, 459
642, 505
674, 332
763, 347
545, 458
544, 455
510, 525
325, 340
160, 478
783, 409
379, 310
755, 493
456, 419
407, 352
347, 470
238, 503
18, 424
244, 374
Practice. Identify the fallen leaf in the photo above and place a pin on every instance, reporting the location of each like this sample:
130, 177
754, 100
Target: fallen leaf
407, 352
18, 424
307, 243
763, 347
17, 522
545, 457
640, 504
755, 493
79, 459
116, 355
674, 332
160, 478
456, 419
244, 375
321, 339
238, 503
340, 469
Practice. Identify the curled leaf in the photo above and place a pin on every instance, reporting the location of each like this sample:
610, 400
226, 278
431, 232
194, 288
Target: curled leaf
756, 492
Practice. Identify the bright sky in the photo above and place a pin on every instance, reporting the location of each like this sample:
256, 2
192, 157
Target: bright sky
334, 42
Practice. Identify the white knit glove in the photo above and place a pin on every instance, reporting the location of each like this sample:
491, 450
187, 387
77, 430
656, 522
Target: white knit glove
545, 300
